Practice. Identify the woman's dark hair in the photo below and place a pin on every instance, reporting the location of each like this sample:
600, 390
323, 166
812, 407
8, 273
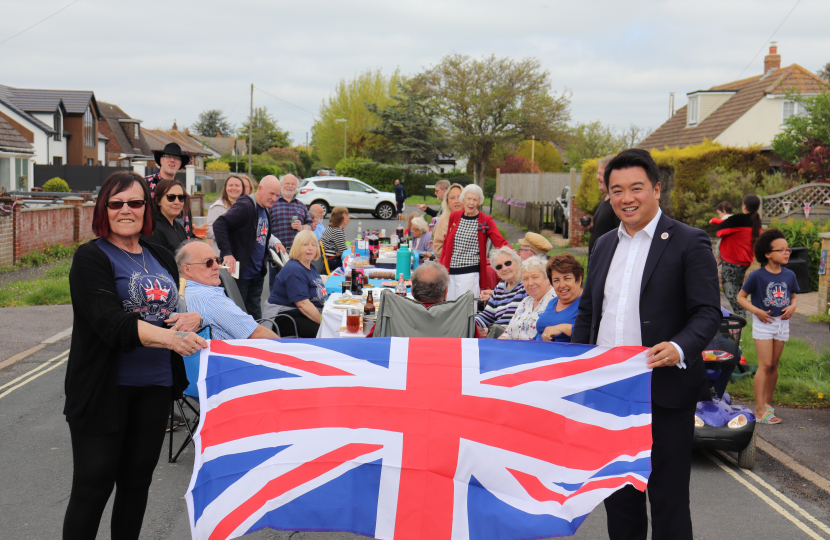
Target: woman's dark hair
113, 185
753, 203
634, 157
565, 263
725, 207
764, 243
161, 190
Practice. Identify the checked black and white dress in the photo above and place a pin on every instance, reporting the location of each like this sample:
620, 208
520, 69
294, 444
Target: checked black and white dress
465, 262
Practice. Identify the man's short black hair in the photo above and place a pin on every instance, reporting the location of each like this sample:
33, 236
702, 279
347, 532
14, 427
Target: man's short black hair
764, 244
634, 157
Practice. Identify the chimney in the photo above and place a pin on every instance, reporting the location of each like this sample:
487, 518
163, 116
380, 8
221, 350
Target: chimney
175, 126
773, 59
671, 104
218, 133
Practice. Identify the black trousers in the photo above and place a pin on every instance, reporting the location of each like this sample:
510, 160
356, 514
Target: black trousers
668, 485
251, 291
125, 460
305, 326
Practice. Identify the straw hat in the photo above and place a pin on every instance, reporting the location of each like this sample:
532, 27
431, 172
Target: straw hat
537, 242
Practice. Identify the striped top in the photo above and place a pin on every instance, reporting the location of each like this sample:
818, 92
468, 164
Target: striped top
501, 306
225, 318
334, 241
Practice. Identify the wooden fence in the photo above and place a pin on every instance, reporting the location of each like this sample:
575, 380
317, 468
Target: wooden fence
534, 216
542, 187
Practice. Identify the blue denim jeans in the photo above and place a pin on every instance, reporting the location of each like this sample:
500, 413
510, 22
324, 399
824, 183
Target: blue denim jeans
251, 291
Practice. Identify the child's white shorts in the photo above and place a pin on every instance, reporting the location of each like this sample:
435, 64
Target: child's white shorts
777, 329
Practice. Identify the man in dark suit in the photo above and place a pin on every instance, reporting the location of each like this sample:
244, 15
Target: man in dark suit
653, 283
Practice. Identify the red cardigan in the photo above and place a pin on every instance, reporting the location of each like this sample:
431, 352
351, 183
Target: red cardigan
487, 277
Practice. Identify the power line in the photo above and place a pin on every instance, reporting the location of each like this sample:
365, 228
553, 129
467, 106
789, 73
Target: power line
768, 39
300, 109
37, 23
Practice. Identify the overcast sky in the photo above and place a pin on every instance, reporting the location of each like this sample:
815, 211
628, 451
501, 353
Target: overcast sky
166, 60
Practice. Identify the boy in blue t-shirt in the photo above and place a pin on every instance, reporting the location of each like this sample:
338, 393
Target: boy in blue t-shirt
773, 289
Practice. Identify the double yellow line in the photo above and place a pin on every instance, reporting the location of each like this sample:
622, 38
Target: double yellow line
26, 378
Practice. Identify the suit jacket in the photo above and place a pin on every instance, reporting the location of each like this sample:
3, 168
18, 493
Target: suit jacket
679, 302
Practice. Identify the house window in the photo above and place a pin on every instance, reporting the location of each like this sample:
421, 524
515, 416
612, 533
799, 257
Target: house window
5, 175
89, 128
57, 160
793, 108
694, 110
135, 131
90, 162
21, 173
58, 125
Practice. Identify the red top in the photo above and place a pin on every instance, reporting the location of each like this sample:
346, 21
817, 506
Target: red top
736, 246
487, 228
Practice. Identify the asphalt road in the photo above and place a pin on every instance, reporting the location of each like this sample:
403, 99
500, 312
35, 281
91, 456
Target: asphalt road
35, 477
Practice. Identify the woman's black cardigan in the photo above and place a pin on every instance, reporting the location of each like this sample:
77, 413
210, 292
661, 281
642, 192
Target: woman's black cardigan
100, 332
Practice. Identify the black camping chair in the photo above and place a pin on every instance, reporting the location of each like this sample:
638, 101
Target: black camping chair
232, 290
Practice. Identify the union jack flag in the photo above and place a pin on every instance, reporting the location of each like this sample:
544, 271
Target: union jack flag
415, 438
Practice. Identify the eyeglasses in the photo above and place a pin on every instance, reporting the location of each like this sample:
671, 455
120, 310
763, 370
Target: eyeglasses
209, 263
782, 251
506, 263
168, 156
171, 198
118, 205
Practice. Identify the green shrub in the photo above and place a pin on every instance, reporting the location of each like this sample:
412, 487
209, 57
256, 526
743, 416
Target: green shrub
216, 165
56, 185
257, 170
805, 234
382, 177
53, 252
588, 195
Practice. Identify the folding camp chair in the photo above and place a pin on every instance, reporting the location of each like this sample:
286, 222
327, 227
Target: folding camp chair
190, 399
399, 316
325, 259
232, 290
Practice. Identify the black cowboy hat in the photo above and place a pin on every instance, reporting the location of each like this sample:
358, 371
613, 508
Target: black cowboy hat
172, 149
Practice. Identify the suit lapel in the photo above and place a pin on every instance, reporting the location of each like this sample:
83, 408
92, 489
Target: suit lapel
658, 244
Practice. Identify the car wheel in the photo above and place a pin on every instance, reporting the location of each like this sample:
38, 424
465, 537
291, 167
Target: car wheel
556, 227
564, 229
385, 211
325, 205
746, 457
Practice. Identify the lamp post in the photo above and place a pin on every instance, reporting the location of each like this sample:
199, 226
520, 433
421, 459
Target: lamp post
345, 127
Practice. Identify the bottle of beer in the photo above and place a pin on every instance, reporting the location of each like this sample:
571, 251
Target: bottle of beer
369, 308
400, 289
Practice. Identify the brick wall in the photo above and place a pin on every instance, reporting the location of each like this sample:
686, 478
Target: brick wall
575, 230
36, 228
6, 240
85, 222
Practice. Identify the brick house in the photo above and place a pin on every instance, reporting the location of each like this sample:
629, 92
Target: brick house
126, 142
16, 153
220, 145
63, 123
741, 113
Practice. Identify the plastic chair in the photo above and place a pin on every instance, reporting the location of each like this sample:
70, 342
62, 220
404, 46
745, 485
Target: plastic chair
399, 316
325, 259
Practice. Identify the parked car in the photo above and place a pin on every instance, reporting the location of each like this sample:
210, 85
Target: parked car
561, 215
358, 197
199, 178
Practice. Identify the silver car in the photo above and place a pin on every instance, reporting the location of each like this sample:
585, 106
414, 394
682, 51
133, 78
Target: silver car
358, 197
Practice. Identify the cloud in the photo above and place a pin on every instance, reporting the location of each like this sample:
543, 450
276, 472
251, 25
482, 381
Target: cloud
162, 61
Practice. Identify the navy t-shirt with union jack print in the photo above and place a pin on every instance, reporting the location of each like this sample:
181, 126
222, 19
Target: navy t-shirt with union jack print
771, 292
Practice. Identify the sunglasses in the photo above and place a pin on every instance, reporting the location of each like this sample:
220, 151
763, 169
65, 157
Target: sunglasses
209, 263
118, 205
171, 198
506, 263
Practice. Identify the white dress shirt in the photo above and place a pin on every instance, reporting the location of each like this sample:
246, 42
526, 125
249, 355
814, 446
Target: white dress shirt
620, 324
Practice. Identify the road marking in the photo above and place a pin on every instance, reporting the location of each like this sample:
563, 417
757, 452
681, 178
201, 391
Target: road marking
778, 494
43, 365
35, 375
774, 505
796, 467
48, 341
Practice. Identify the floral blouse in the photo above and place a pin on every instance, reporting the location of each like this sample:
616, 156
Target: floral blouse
523, 324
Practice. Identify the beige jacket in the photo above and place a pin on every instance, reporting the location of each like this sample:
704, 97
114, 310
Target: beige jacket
439, 234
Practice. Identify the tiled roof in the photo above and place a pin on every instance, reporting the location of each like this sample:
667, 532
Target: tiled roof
222, 145
7, 99
112, 114
12, 140
33, 100
157, 139
748, 92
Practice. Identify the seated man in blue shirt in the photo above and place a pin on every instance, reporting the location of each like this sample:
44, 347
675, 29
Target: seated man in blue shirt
204, 294
317, 214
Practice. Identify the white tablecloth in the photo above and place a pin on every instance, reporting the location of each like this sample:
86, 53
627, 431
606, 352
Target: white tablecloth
334, 318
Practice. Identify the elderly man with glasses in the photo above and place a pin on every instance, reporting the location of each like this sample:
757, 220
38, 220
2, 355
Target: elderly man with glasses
204, 295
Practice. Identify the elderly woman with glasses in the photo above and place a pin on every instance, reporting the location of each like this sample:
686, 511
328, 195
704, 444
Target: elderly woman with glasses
464, 253
506, 297
421, 236
168, 202
539, 294
125, 364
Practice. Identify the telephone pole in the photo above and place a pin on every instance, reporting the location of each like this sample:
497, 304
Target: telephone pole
251, 130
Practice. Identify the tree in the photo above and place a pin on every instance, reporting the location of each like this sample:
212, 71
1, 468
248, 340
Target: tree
348, 102
266, 132
211, 122
595, 140
545, 155
492, 102
634, 135
518, 164
408, 129
804, 142
824, 73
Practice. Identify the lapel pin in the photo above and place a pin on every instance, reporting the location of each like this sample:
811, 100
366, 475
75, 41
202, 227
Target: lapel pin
664, 236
